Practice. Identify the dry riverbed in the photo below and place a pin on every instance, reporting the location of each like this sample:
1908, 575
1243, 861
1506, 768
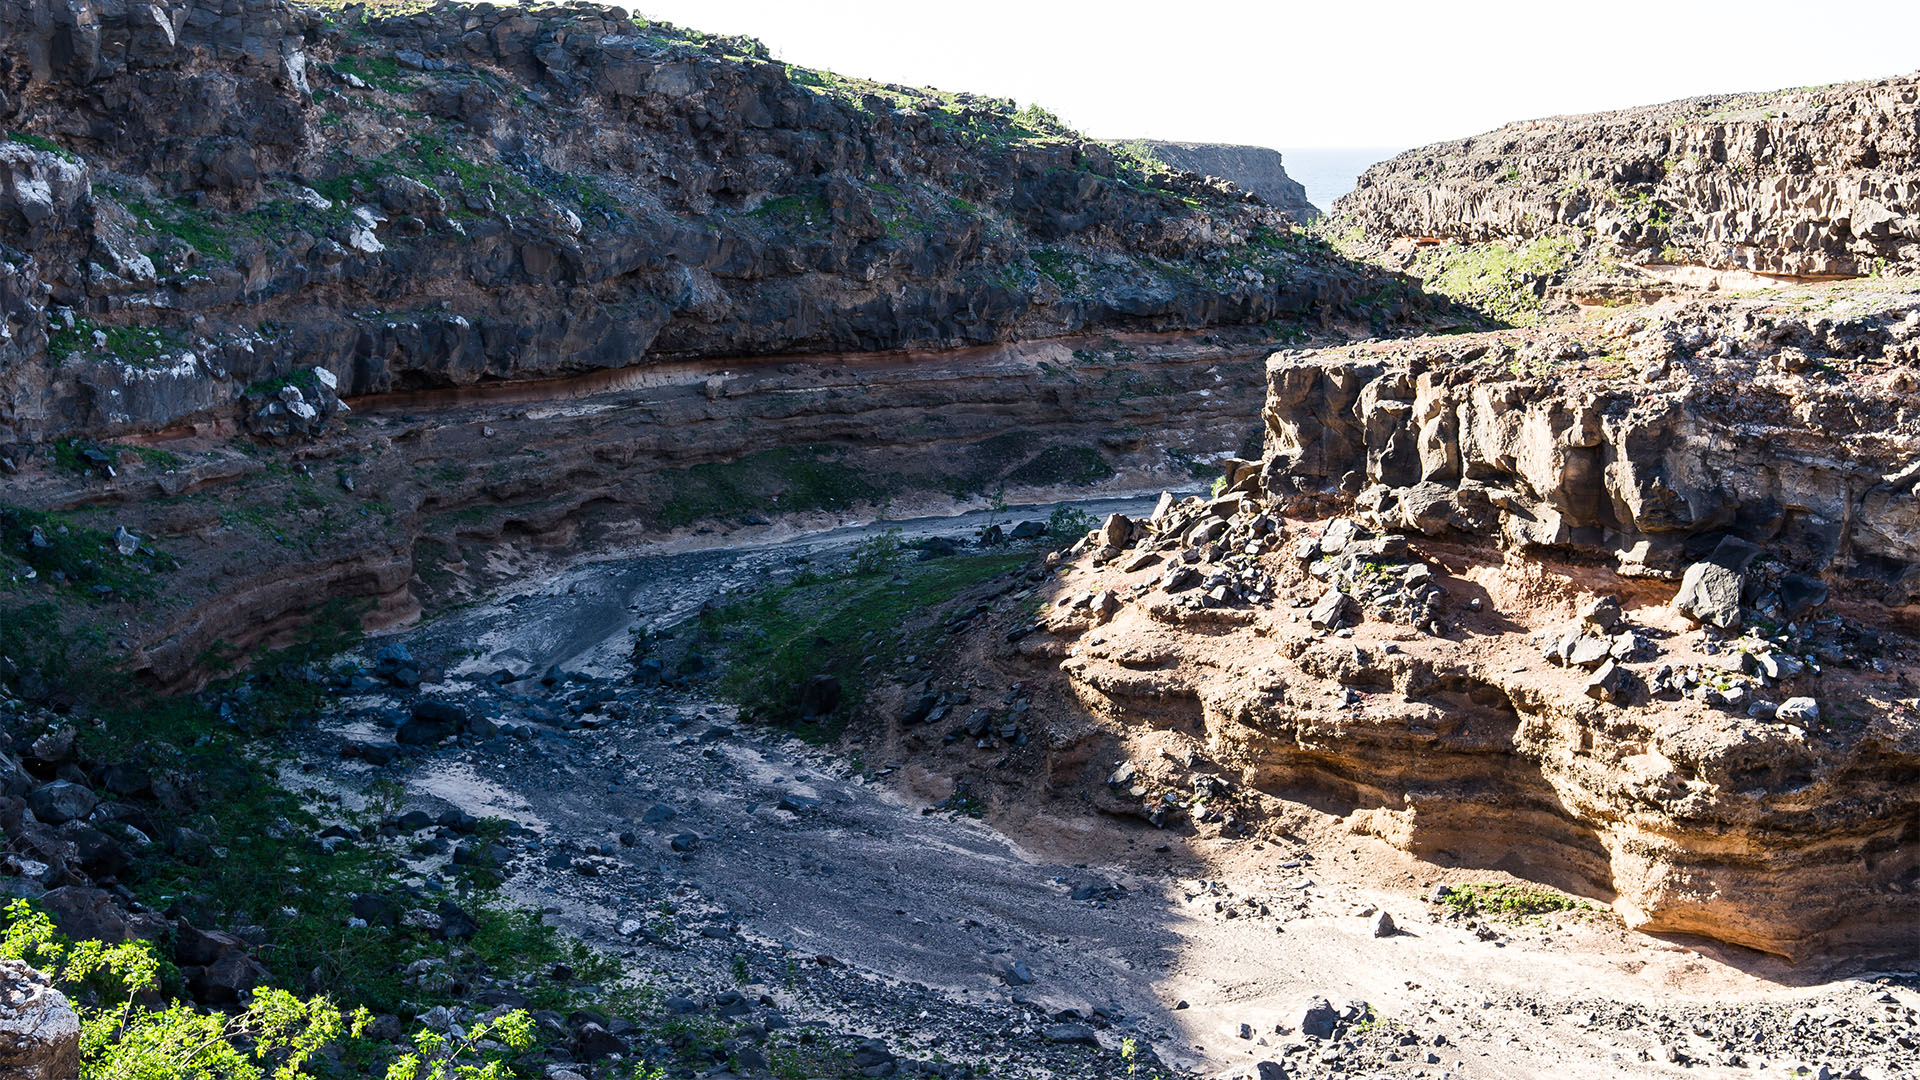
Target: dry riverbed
763, 884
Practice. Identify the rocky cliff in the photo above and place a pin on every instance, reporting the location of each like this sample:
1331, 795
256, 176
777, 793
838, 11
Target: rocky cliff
1805, 183
1625, 607
202, 196
1253, 168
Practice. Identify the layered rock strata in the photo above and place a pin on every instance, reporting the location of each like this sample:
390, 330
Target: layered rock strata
1815, 181
199, 198
423, 498
1411, 617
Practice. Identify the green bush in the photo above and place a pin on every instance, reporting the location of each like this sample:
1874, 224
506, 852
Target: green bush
879, 554
122, 1039
1508, 901
1501, 281
1067, 524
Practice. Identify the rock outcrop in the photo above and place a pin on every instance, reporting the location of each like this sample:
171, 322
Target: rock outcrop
1810, 182
1625, 608
199, 198
1644, 439
39, 1031
1253, 168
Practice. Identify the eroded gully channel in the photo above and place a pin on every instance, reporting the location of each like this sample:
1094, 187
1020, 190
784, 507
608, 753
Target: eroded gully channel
849, 896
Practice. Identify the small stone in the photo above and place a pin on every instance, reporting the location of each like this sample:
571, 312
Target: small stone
1798, 710
1610, 683
1601, 614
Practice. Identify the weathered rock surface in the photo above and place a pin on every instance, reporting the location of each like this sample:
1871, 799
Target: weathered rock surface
1646, 439
1252, 168
1757, 789
1810, 182
39, 1031
204, 201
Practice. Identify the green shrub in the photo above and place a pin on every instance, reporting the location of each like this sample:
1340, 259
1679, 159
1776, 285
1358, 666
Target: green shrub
879, 554
1508, 901
1501, 281
122, 1039
1067, 524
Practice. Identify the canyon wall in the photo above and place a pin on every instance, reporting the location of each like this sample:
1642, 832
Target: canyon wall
1253, 168
1626, 607
199, 198
1815, 181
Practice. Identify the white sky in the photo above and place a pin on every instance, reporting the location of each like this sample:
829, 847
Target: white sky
1336, 73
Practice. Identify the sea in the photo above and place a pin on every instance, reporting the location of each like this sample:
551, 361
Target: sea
1328, 172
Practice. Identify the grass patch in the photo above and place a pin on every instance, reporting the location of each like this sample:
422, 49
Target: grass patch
182, 221
43, 144
771, 481
1505, 283
77, 559
137, 345
379, 72
850, 626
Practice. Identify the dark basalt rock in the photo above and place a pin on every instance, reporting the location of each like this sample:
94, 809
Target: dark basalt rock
203, 211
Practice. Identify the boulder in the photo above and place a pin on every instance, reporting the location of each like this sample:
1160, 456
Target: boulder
85, 914
1317, 1019
1610, 683
819, 696
431, 722
1798, 710
1602, 614
1332, 611
39, 1031
1070, 1033
1710, 590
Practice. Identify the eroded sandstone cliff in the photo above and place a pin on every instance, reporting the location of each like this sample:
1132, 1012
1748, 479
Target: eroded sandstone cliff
1449, 610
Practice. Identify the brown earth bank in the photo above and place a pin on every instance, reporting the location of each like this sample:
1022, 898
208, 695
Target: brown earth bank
1468, 606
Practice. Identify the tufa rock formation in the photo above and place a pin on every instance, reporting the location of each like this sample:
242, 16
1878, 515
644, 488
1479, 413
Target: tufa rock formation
1253, 168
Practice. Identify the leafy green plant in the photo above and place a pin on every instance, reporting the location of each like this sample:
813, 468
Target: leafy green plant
879, 554
467, 1056
1067, 524
122, 1039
